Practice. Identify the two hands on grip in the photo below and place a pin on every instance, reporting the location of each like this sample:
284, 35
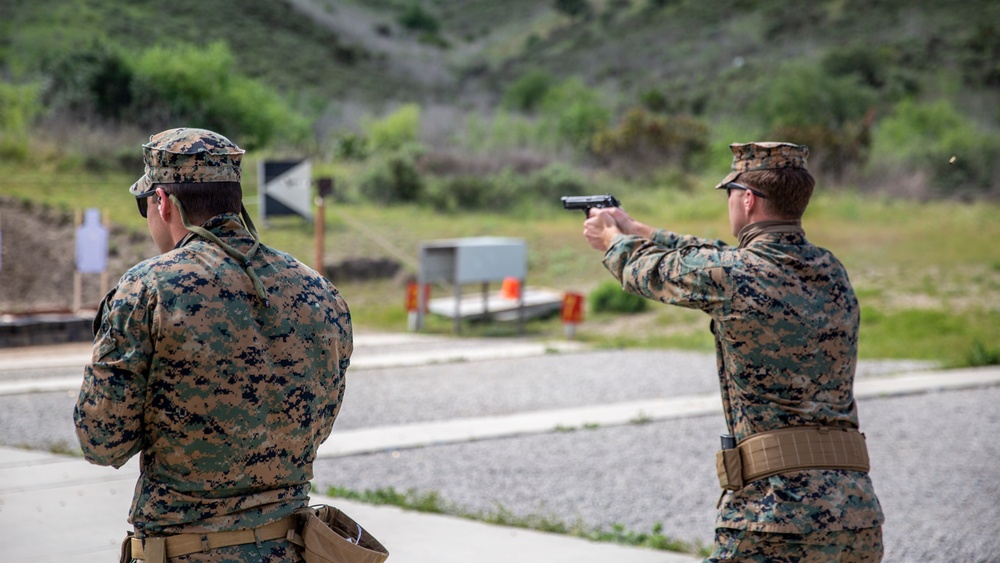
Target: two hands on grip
605, 219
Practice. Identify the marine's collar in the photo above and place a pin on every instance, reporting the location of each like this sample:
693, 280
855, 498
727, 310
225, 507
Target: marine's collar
750, 232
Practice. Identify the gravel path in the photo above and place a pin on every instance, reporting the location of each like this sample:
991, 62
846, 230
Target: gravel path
934, 459
934, 455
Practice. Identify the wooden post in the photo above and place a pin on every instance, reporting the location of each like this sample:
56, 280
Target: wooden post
320, 232
324, 188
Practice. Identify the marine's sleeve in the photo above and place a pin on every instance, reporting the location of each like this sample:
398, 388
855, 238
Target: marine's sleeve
675, 269
109, 411
346, 349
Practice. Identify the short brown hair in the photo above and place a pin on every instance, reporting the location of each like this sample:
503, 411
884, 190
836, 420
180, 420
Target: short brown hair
204, 200
788, 190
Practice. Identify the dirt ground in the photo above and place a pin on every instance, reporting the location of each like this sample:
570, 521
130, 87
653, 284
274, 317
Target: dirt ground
38, 258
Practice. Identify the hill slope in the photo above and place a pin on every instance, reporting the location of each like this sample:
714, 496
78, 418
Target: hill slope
360, 50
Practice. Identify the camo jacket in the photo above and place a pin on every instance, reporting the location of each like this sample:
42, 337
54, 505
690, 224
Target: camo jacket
785, 321
227, 399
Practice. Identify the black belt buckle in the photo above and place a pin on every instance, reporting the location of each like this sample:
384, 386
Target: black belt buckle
728, 441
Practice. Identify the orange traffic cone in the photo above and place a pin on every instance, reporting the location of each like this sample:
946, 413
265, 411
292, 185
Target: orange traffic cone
511, 288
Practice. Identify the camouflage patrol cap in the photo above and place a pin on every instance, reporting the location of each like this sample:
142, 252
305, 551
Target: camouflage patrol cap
188, 156
764, 156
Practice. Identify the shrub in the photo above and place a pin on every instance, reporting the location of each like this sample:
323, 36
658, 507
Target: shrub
198, 86
427, 27
460, 193
351, 146
642, 141
859, 60
94, 82
803, 95
394, 131
552, 182
528, 91
981, 62
609, 297
927, 136
392, 179
574, 112
831, 114
506, 191
415, 18
19, 106
654, 100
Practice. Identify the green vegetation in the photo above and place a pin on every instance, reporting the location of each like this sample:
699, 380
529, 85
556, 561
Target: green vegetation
433, 503
470, 117
609, 297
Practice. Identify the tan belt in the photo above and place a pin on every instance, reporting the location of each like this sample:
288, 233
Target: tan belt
159, 549
791, 449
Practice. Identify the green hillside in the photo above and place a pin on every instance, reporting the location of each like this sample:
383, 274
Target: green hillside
450, 118
884, 92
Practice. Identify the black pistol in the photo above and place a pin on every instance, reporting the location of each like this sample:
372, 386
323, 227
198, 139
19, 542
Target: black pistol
588, 202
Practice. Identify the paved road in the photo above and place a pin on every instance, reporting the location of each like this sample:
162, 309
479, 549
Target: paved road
934, 453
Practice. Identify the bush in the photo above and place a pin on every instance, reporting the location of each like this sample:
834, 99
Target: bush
94, 82
981, 62
859, 60
19, 106
831, 114
460, 193
199, 87
394, 131
609, 297
392, 179
506, 130
351, 146
803, 95
574, 112
505, 192
927, 136
552, 182
415, 18
528, 91
643, 141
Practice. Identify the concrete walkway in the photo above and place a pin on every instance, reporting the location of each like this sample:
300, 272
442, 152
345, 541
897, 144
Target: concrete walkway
421, 434
61, 508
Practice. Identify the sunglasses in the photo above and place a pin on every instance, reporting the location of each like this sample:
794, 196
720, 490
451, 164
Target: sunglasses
734, 186
140, 200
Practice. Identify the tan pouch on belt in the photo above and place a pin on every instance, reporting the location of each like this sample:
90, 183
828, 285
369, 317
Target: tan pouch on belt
126, 551
730, 469
327, 535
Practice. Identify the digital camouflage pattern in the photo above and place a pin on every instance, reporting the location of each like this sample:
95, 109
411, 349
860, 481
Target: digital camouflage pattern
853, 546
749, 157
785, 321
188, 155
227, 399
274, 550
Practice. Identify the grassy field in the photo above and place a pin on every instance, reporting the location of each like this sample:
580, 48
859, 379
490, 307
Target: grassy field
927, 274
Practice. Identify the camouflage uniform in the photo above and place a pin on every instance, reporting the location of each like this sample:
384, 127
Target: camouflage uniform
785, 321
226, 395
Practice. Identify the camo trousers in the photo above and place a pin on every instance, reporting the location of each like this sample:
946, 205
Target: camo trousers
848, 546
